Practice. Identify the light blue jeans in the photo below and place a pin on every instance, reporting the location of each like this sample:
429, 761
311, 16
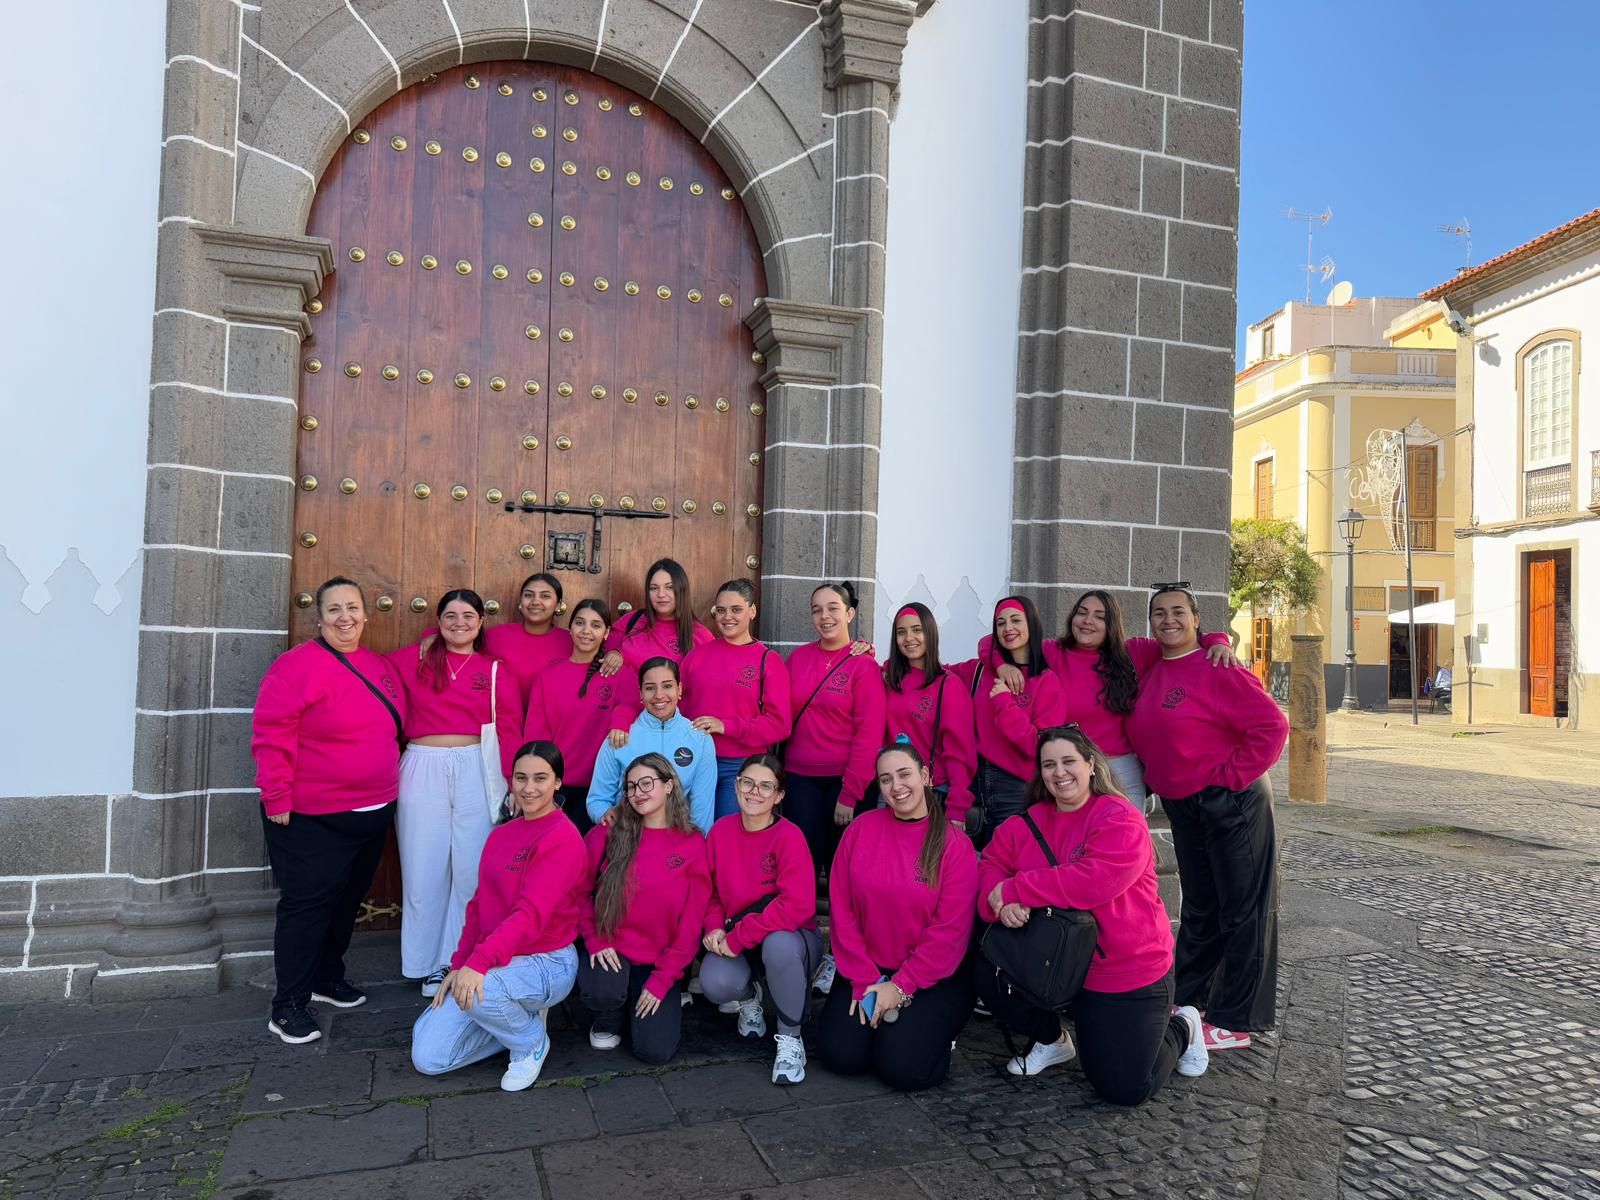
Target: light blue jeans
507, 1018
1128, 774
727, 787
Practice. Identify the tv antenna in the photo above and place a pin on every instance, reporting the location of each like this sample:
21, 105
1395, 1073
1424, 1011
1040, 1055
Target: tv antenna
1463, 231
1312, 219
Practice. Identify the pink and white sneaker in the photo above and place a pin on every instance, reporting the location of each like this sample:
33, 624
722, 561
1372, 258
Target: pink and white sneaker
1218, 1038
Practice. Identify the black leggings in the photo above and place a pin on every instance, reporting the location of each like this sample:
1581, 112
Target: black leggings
1128, 1042
1227, 955
611, 996
809, 801
910, 1054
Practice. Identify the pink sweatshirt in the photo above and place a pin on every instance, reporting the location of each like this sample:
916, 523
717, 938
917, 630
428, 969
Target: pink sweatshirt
525, 653
1081, 684
531, 878
1198, 726
323, 743
579, 724
647, 638
726, 682
747, 866
839, 732
1008, 726
882, 914
668, 887
463, 706
914, 709
1107, 866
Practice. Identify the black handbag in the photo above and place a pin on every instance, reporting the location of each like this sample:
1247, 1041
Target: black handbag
1046, 960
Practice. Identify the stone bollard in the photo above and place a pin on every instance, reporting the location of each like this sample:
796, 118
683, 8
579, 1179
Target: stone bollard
1308, 719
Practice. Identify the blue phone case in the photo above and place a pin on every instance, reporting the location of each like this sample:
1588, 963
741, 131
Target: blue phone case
869, 1004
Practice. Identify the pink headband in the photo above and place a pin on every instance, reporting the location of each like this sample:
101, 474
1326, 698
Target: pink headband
905, 610
1013, 605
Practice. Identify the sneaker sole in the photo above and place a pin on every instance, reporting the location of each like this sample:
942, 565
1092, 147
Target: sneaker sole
604, 1045
788, 1080
272, 1027
522, 1087
758, 1032
319, 998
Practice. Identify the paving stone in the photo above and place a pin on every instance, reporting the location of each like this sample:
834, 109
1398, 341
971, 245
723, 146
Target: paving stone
234, 1004
371, 1029
703, 1160
63, 1020
492, 1121
629, 1104
394, 1078
1561, 978
1383, 1163
875, 1185
309, 1083
729, 1091
20, 1057
959, 1179
822, 1086
103, 1055
867, 1134
236, 1042
303, 1145
1329, 852
490, 1177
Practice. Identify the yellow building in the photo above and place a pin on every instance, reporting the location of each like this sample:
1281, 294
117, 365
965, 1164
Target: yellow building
1318, 380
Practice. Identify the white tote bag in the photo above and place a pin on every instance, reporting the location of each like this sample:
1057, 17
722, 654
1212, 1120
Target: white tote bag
495, 788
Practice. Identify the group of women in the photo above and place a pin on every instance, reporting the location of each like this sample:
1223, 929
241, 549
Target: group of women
675, 795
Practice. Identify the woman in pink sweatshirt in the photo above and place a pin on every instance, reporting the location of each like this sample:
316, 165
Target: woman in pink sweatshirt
901, 892
664, 628
761, 923
1008, 722
642, 925
736, 689
1207, 739
326, 739
1099, 860
932, 707
572, 705
535, 641
453, 689
516, 956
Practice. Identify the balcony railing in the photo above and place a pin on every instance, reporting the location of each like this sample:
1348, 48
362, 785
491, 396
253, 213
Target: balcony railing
1423, 534
1547, 491
1594, 480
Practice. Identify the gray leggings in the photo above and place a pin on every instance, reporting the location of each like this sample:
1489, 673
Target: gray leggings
788, 960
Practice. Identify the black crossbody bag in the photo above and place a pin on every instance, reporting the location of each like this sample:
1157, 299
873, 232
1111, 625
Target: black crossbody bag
795, 724
1047, 960
399, 725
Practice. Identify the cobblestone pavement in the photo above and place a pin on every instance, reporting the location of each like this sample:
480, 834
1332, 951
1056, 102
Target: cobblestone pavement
1439, 1036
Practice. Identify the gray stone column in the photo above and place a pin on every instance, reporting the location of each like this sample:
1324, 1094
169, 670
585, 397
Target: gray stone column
1126, 329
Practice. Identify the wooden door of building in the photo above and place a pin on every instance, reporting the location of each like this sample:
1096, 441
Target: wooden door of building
1542, 635
538, 298
1261, 648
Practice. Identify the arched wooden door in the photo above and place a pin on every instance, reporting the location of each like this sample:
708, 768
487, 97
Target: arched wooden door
538, 294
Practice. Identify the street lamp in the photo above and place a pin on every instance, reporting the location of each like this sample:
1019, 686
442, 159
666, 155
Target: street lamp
1350, 530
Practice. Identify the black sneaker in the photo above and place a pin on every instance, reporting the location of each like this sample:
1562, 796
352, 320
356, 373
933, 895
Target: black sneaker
295, 1025
343, 994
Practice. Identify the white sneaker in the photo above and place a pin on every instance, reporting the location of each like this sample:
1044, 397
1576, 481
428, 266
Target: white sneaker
521, 1072
604, 1041
822, 981
432, 984
1196, 1058
1042, 1055
685, 999
752, 1021
790, 1065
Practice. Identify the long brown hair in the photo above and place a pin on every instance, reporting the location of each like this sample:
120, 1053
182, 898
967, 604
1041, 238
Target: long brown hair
683, 605
615, 887
938, 831
1114, 665
899, 666
1100, 781
434, 666
602, 610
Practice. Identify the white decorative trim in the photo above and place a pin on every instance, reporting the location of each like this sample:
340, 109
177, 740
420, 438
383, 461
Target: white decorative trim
853, 112
208, 630
461, 47
822, 512
1052, 80
283, 161
185, 795
805, 237
1076, 266
398, 85
684, 33
211, 391
172, 466
1087, 141
527, 25
189, 137
864, 242
804, 154
183, 220
1131, 338
822, 446
187, 712
1182, 37
759, 77
1112, 524
600, 34
884, 179
210, 66
339, 108
214, 550
1118, 462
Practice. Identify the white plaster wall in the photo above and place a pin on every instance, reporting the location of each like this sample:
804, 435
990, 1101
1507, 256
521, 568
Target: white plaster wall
75, 396
950, 335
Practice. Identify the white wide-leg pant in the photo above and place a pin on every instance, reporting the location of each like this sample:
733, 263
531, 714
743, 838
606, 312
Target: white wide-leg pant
442, 822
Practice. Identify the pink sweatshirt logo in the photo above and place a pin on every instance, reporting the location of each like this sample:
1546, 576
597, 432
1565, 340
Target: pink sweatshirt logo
1173, 698
520, 858
747, 676
675, 861
769, 869
386, 681
480, 681
923, 708
840, 682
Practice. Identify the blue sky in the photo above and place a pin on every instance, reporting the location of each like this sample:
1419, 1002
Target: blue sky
1401, 117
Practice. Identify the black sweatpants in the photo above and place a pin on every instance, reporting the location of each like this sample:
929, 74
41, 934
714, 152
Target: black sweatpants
1128, 1042
575, 803
909, 1054
1227, 955
611, 995
1001, 794
324, 866
809, 801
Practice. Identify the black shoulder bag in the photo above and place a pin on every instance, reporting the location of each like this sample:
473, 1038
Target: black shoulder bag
399, 725
800, 712
1046, 960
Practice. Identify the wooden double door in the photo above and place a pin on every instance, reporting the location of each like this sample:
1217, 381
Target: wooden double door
538, 299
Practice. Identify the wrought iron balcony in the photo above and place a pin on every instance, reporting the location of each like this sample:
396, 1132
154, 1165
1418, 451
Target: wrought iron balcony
1547, 491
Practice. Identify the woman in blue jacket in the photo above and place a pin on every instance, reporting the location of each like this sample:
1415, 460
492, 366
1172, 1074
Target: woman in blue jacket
663, 730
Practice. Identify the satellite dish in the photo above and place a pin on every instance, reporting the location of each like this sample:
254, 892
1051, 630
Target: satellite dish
1343, 292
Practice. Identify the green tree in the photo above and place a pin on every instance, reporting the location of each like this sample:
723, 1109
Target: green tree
1269, 567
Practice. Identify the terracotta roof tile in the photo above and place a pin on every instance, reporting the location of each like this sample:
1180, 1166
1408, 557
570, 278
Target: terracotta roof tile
1589, 220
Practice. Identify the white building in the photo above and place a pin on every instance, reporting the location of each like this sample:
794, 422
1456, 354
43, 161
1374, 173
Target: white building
1528, 558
